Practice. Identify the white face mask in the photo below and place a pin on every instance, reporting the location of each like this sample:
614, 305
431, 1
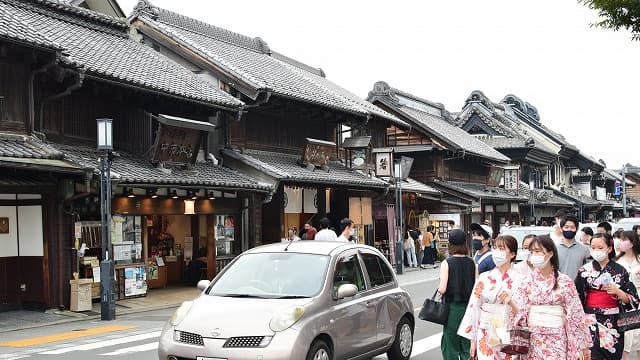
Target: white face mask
525, 254
538, 261
598, 255
499, 257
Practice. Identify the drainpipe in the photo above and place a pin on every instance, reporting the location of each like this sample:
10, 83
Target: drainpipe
242, 111
44, 68
76, 85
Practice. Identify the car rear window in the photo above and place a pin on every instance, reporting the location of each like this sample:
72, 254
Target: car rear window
379, 272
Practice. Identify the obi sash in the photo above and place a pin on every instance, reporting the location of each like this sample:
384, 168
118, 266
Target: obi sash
601, 299
549, 316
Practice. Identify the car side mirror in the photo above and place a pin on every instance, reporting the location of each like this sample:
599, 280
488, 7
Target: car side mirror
203, 284
346, 290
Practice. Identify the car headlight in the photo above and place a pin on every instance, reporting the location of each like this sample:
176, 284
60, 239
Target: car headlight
181, 312
286, 318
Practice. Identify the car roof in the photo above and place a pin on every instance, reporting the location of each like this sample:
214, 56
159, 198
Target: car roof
308, 247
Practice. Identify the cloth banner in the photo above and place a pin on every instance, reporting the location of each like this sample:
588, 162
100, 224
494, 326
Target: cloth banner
391, 230
292, 200
310, 201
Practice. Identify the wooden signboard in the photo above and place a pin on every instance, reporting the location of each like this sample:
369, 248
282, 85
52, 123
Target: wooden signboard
316, 154
176, 145
495, 174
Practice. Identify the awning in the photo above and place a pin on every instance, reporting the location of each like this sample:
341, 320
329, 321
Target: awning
479, 191
412, 185
41, 164
185, 123
404, 149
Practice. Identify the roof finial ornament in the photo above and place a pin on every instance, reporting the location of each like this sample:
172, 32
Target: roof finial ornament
145, 7
382, 89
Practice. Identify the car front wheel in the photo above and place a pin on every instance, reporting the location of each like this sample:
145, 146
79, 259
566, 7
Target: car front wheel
319, 351
403, 343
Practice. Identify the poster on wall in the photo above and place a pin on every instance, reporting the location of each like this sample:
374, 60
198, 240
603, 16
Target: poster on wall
135, 281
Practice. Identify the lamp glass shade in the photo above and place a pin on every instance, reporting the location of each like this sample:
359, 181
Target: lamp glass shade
105, 134
189, 207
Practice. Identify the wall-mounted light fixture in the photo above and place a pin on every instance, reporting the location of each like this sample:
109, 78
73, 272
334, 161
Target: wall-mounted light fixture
189, 207
152, 193
192, 194
129, 193
211, 197
174, 194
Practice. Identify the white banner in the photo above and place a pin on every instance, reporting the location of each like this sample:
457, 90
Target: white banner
310, 201
601, 193
292, 200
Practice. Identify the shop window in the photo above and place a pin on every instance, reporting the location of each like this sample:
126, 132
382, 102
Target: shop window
225, 235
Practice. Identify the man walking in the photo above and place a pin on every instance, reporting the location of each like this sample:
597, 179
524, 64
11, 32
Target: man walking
482, 245
346, 230
309, 231
325, 234
571, 253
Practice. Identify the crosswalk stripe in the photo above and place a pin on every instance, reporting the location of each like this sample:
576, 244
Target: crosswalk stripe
423, 345
105, 343
66, 336
132, 349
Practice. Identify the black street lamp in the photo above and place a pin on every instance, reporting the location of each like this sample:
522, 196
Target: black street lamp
401, 170
105, 144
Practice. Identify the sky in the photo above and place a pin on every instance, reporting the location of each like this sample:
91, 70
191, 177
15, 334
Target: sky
584, 81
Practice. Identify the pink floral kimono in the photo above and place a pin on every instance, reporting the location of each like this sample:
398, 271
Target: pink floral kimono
559, 327
486, 321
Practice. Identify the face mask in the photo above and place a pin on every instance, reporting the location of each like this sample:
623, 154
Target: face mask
538, 261
499, 257
477, 244
598, 255
616, 243
625, 245
568, 234
525, 254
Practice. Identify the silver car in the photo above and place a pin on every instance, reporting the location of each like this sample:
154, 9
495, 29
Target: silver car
298, 300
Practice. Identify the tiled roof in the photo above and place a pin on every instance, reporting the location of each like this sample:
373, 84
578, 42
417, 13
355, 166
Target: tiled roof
101, 47
8, 178
250, 60
457, 136
129, 169
481, 191
286, 167
576, 199
20, 146
543, 197
13, 28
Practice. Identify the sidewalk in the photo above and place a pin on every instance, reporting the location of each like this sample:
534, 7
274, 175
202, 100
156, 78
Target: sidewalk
156, 299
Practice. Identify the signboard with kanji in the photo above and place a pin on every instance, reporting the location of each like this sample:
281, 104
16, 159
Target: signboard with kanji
316, 154
511, 178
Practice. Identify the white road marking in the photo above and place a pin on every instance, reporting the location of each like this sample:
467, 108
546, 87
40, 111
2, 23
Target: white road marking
427, 344
100, 344
132, 349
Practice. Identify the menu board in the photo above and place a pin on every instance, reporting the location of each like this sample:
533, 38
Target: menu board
135, 281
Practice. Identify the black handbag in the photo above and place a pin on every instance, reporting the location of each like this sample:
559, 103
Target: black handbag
435, 311
628, 320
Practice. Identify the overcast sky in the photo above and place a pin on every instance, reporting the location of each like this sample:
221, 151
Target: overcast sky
583, 81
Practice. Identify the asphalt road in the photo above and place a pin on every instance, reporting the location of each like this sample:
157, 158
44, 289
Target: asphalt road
135, 336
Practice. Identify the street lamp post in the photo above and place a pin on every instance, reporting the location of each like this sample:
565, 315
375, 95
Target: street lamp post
105, 144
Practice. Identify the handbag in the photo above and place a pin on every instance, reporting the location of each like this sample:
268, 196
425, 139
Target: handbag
435, 311
628, 320
407, 243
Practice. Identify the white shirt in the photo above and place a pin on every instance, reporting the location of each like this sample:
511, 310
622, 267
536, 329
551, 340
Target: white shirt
326, 235
343, 238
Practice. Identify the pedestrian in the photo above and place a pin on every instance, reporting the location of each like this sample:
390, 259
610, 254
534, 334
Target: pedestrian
629, 258
325, 234
309, 231
587, 234
418, 236
571, 253
346, 230
525, 267
556, 231
604, 287
491, 311
616, 240
457, 275
410, 248
428, 260
482, 246
604, 227
549, 306
292, 235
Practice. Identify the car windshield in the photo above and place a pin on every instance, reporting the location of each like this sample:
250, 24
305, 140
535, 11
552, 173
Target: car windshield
273, 275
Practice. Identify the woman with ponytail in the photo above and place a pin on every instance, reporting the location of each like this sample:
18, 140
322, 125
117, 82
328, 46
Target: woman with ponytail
604, 287
549, 305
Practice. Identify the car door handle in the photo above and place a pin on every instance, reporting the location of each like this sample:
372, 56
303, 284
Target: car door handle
369, 304
396, 296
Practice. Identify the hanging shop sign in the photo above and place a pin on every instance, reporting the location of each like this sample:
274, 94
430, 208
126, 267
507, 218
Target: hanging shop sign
511, 178
178, 140
384, 164
316, 154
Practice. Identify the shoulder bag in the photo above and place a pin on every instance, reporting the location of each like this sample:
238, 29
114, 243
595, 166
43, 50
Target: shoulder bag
435, 311
628, 320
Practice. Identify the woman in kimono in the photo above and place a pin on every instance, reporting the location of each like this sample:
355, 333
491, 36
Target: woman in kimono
549, 305
488, 316
603, 286
629, 258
